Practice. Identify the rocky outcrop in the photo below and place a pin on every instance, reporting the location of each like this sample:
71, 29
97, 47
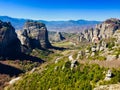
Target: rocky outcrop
34, 35
9, 43
25, 40
38, 31
108, 75
86, 35
58, 37
102, 31
117, 36
23, 37
108, 28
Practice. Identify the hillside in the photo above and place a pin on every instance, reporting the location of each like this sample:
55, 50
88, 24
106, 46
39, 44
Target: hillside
70, 69
65, 26
81, 61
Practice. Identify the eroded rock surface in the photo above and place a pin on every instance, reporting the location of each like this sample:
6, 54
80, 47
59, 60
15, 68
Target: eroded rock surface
102, 31
34, 35
9, 43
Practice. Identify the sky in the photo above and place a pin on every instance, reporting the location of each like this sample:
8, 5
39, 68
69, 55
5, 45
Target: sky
61, 9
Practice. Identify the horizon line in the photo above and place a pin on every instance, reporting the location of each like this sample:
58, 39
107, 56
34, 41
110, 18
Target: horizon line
50, 20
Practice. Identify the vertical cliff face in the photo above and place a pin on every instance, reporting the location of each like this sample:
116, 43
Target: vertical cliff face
58, 37
9, 43
104, 30
34, 35
108, 28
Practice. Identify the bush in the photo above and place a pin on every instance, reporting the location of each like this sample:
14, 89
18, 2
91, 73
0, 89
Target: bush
110, 42
78, 79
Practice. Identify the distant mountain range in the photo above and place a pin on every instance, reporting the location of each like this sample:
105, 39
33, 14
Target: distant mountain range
62, 26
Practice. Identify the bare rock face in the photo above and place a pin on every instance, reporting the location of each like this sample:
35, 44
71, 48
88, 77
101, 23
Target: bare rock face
117, 36
81, 37
38, 31
58, 37
102, 31
25, 40
108, 28
23, 37
86, 35
9, 43
34, 35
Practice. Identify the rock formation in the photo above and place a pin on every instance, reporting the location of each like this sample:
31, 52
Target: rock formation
117, 36
108, 75
58, 37
102, 31
108, 28
24, 39
9, 43
34, 35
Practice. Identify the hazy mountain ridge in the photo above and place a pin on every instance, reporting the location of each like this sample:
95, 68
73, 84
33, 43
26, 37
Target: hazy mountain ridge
17, 23
70, 25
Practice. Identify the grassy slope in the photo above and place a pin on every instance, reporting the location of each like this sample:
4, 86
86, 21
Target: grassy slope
84, 77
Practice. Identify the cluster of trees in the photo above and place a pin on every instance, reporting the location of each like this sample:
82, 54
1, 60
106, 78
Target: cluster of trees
84, 77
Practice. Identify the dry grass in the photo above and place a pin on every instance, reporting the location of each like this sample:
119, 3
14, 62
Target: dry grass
106, 64
3, 80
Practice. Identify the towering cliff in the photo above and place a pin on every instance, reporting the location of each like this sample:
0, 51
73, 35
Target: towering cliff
107, 28
9, 43
104, 30
34, 35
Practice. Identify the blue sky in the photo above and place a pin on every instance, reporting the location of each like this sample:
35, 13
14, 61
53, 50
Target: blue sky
61, 9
